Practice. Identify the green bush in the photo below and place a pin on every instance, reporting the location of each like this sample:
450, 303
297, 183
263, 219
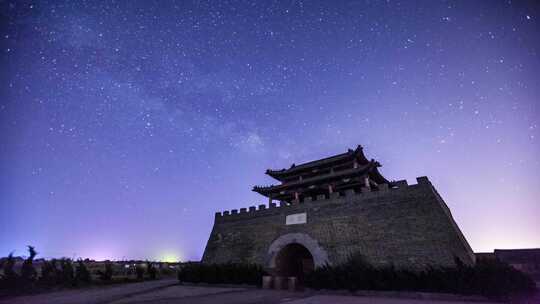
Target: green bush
139, 271
82, 275
108, 273
221, 273
166, 271
10, 278
65, 276
493, 279
28, 272
49, 273
151, 270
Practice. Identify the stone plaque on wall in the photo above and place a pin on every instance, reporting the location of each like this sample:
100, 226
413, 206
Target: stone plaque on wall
297, 218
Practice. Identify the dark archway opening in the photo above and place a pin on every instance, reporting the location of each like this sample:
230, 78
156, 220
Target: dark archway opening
294, 260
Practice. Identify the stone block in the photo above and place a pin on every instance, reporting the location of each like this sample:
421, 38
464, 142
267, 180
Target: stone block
262, 207
349, 192
334, 195
383, 187
365, 189
401, 183
252, 208
234, 211
422, 180
292, 283
225, 212
272, 205
307, 199
243, 210
280, 282
321, 197
267, 282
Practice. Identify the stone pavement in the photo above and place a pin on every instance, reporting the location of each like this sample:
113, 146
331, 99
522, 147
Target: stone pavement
168, 291
330, 299
92, 295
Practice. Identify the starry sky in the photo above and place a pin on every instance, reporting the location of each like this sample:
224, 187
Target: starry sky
124, 125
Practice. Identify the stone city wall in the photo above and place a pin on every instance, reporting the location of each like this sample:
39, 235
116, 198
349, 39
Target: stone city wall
408, 226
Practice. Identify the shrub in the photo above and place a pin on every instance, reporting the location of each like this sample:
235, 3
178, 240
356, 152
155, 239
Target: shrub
49, 273
166, 271
82, 275
151, 270
221, 273
10, 278
500, 279
65, 276
108, 273
493, 279
28, 272
139, 271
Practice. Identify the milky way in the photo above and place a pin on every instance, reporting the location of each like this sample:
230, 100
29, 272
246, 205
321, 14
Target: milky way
125, 125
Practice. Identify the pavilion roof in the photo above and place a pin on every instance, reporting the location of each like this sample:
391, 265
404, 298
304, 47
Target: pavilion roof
369, 168
295, 169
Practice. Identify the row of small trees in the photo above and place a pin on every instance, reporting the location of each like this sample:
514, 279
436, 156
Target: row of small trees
53, 272
486, 277
490, 278
59, 272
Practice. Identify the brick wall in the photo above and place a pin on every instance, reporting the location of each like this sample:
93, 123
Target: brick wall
408, 226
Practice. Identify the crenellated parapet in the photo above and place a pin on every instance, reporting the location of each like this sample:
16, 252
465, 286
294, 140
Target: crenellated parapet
348, 196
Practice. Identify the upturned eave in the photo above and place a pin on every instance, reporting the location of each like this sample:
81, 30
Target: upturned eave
294, 169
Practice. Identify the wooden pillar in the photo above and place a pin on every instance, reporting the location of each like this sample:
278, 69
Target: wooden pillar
366, 182
269, 200
355, 164
330, 189
296, 196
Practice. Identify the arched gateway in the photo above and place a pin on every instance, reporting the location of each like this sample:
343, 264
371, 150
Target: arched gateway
331, 208
295, 254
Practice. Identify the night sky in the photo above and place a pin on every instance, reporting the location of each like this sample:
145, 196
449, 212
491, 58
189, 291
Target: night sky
125, 125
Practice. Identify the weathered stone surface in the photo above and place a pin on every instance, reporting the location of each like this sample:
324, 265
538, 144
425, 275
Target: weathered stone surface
408, 226
280, 282
267, 282
292, 283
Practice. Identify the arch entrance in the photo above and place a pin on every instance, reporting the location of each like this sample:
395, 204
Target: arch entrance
294, 255
294, 260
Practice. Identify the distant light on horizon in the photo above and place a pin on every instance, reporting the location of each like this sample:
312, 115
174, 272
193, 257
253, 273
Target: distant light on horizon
169, 257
